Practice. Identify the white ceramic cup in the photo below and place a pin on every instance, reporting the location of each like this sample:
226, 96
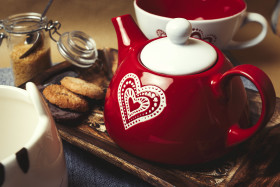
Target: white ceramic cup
31, 152
218, 31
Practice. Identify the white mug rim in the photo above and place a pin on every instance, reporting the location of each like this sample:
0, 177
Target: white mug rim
191, 20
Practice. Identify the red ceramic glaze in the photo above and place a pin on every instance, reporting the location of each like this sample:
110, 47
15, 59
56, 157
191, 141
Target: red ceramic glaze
193, 9
179, 120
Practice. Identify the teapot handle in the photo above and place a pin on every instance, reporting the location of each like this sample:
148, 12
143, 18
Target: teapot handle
267, 93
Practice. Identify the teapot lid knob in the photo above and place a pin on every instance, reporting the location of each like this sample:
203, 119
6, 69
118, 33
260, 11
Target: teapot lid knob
178, 30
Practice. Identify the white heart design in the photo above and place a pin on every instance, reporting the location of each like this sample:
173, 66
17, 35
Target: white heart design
138, 104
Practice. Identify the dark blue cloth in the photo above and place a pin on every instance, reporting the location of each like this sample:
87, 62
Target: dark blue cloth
85, 169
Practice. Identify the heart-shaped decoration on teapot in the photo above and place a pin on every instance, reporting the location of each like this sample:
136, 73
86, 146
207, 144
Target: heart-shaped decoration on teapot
139, 103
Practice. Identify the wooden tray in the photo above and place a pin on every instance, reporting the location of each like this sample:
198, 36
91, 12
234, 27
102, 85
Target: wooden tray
256, 162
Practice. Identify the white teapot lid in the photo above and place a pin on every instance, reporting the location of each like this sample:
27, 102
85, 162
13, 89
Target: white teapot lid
178, 54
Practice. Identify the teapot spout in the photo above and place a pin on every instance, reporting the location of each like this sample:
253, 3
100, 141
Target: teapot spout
128, 35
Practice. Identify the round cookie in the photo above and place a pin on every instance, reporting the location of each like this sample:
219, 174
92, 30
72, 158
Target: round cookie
82, 87
63, 98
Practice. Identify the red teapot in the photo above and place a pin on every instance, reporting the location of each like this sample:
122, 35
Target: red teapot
178, 100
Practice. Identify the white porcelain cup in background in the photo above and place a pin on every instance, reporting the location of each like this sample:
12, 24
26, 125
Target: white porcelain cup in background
31, 152
213, 21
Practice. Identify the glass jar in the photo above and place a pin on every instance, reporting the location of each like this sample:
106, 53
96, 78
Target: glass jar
77, 48
28, 43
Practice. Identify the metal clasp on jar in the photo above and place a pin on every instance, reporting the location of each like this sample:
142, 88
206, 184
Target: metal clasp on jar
53, 27
2, 35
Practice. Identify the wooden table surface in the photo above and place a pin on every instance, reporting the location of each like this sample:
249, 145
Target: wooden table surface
94, 18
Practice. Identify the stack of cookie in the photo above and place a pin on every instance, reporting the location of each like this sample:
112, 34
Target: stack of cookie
70, 100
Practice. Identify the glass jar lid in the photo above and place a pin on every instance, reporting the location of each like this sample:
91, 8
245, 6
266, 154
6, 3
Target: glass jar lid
24, 23
78, 48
